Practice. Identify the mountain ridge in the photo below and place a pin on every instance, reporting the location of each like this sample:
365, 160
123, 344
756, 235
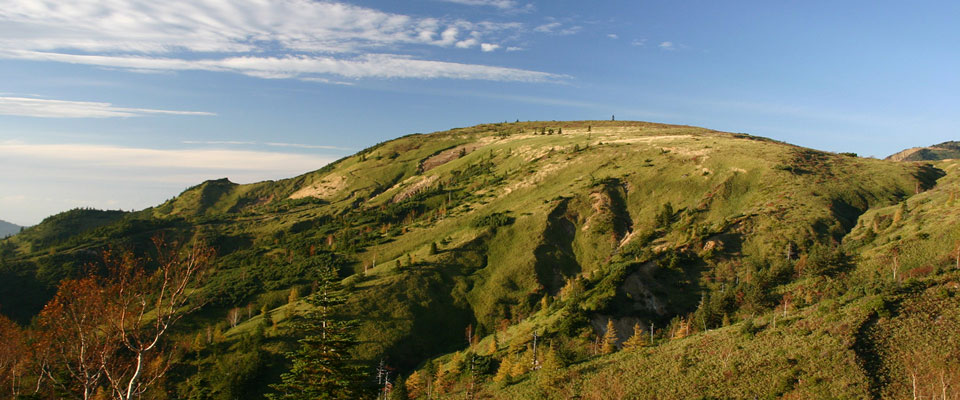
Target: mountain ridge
942, 151
550, 227
9, 228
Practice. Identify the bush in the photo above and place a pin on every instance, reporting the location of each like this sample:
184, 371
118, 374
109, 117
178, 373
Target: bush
494, 220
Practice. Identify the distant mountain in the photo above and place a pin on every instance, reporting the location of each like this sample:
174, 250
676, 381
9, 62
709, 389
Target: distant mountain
7, 228
942, 151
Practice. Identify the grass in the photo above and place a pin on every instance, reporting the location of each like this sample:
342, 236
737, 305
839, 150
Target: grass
579, 221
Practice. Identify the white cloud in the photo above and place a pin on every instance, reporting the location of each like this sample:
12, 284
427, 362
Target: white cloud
325, 80
467, 43
231, 142
514, 48
46, 108
639, 42
119, 158
613, 36
556, 28
548, 27
268, 39
303, 67
501, 4
667, 46
205, 26
488, 47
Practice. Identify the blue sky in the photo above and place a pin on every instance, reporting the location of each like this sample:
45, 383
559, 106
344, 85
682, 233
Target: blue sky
124, 103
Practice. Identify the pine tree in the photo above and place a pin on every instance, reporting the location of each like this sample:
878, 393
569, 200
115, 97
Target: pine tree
321, 366
505, 368
638, 340
493, 344
414, 384
522, 363
551, 360
609, 339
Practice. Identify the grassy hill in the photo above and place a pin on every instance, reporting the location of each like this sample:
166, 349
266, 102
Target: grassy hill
942, 151
763, 268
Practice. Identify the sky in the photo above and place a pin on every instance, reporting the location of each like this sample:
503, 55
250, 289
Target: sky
122, 104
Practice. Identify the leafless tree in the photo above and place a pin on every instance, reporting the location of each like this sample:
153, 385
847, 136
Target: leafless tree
233, 316
147, 304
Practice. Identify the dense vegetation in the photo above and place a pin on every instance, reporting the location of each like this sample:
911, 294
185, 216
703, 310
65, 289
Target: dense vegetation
697, 263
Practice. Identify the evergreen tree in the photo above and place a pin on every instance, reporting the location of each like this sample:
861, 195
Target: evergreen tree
522, 363
638, 340
551, 359
414, 384
506, 366
493, 344
321, 367
609, 339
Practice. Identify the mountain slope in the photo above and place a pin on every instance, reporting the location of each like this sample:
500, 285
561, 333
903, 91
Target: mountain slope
8, 229
942, 151
553, 227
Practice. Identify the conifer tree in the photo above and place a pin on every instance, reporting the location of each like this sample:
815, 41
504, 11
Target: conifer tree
638, 340
506, 365
414, 384
321, 367
609, 339
522, 363
551, 359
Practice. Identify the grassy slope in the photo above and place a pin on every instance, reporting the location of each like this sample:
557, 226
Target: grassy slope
577, 202
876, 337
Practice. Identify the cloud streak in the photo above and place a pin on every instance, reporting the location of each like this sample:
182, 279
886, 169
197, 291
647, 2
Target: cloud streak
501, 4
47, 108
272, 144
306, 67
116, 158
268, 39
42, 179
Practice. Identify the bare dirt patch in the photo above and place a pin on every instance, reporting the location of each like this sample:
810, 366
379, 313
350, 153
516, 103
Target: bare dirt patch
328, 186
415, 188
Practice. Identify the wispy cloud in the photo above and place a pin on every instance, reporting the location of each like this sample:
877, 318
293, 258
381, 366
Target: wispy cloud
613, 36
219, 142
305, 67
47, 108
501, 4
271, 144
669, 46
106, 158
268, 39
639, 42
558, 28
42, 179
